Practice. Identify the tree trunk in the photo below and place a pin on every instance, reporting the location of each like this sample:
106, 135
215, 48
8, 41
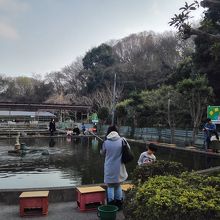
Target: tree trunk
172, 133
133, 126
194, 135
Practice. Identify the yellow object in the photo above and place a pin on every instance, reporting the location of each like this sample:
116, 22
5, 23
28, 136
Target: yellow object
34, 194
127, 186
90, 189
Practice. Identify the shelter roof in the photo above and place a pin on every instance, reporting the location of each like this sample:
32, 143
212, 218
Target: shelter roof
26, 113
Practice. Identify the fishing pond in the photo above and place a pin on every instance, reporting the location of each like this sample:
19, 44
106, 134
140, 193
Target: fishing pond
61, 161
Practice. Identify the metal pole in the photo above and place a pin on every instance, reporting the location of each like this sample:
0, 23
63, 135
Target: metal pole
9, 123
169, 118
114, 101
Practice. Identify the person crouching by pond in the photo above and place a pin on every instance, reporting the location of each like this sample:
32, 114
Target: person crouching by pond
76, 130
52, 126
148, 156
114, 171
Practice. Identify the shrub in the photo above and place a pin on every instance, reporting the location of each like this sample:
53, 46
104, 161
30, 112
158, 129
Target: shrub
200, 181
158, 168
129, 206
175, 198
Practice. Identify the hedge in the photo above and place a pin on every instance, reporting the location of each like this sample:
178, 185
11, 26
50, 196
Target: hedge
160, 167
187, 197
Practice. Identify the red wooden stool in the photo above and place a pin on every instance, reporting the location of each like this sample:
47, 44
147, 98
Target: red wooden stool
88, 198
33, 203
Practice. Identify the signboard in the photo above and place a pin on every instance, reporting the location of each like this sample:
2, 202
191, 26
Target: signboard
213, 112
94, 118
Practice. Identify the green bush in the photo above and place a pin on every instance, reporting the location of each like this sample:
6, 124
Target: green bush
158, 168
200, 181
129, 206
189, 197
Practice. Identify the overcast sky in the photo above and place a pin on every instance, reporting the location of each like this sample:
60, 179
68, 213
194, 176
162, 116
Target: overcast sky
40, 36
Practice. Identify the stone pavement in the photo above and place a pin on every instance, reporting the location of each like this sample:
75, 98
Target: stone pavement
57, 211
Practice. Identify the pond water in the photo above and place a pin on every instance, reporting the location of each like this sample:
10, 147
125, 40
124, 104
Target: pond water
74, 162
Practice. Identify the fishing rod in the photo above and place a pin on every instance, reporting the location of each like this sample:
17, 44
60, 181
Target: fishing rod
96, 136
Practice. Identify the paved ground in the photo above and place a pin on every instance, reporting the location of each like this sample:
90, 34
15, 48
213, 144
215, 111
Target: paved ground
57, 211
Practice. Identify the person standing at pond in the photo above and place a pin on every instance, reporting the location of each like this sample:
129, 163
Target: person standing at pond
83, 128
148, 156
52, 126
114, 171
209, 130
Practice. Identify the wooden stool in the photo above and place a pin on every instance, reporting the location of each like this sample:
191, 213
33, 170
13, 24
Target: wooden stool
125, 187
33, 203
88, 198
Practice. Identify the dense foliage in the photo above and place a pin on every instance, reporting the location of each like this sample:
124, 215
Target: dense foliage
206, 58
160, 168
188, 197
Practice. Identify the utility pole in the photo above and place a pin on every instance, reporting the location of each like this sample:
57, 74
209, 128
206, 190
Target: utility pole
169, 119
114, 100
168, 108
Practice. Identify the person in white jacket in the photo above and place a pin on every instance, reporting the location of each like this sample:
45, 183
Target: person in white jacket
114, 171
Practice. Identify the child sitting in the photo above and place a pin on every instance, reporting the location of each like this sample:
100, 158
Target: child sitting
148, 156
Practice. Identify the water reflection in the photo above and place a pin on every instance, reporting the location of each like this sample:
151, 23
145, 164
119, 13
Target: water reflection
95, 145
78, 161
68, 139
32, 179
52, 142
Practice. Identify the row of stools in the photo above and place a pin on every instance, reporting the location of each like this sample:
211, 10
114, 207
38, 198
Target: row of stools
87, 198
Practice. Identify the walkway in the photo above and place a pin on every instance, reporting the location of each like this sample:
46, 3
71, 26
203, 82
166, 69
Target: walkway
57, 211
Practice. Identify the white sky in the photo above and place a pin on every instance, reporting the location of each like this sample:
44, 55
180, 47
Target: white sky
40, 36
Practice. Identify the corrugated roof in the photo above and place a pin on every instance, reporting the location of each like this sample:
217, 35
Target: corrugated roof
25, 113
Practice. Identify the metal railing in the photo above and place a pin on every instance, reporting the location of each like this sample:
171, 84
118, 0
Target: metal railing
181, 136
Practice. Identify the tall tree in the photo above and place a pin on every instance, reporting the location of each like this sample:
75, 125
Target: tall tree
58, 80
165, 105
99, 56
147, 59
98, 64
3, 87
73, 77
206, 58
196, 94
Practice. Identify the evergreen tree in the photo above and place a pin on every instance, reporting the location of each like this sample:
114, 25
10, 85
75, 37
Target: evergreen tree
206, 58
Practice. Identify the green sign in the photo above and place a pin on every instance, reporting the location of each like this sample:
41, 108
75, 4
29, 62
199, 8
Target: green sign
94, 118
213, 112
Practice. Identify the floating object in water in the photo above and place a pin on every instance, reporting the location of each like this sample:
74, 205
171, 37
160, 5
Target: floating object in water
45, 152
23, 150
15, 152
20, 149
17, 144
23, 146
17, 147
